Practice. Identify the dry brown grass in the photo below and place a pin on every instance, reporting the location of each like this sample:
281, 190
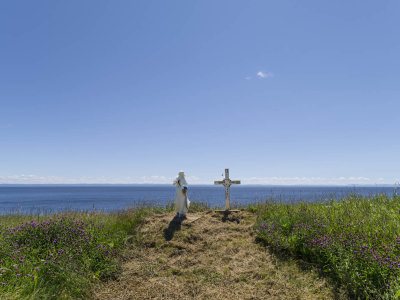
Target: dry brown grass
208, 256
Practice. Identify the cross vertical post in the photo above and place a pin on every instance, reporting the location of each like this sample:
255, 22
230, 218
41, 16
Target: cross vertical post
227, 183
227, 199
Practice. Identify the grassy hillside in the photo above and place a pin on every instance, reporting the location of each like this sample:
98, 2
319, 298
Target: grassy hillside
355, 241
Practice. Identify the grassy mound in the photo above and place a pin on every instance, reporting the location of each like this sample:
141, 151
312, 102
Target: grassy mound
209, 255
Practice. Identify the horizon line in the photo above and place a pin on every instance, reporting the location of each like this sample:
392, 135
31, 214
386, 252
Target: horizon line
210, 184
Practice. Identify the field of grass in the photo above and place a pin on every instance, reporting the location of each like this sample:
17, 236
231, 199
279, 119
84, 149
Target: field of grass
58, 256
355, 241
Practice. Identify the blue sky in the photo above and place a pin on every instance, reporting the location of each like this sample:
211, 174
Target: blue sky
281, 92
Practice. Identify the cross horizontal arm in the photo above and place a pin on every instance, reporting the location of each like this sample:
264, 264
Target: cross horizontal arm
219, 182
235, 181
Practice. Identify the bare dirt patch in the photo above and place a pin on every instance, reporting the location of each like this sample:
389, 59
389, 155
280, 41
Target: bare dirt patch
208, 255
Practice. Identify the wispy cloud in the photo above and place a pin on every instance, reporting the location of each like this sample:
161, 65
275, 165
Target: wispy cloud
33, 179
191, 179
36, 179
308, 180
262, 74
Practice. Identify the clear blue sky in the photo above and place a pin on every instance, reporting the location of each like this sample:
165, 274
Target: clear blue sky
283, 92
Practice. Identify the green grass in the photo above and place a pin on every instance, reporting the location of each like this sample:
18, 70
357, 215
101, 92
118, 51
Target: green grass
59, 256
355, 241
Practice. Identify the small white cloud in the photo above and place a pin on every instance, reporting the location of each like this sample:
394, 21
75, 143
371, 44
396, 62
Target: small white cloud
261, 74
247, 78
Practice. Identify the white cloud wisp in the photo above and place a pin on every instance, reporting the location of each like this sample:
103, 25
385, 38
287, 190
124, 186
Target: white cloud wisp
157, 179
262, 74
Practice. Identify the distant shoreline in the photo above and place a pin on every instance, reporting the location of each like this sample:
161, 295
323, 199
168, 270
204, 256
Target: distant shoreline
167, 184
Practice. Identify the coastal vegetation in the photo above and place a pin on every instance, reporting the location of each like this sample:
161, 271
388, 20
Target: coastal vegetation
58, 256
347, 248
355, 241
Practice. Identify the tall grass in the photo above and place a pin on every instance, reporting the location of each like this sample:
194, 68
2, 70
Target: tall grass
356, 240
59, 256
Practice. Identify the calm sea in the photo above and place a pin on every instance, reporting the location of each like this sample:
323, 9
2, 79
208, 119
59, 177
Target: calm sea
51, 198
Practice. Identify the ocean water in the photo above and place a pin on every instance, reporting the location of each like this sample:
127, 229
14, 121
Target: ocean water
53, 198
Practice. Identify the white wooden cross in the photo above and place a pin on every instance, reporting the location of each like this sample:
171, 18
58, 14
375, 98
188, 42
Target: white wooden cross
227, 183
